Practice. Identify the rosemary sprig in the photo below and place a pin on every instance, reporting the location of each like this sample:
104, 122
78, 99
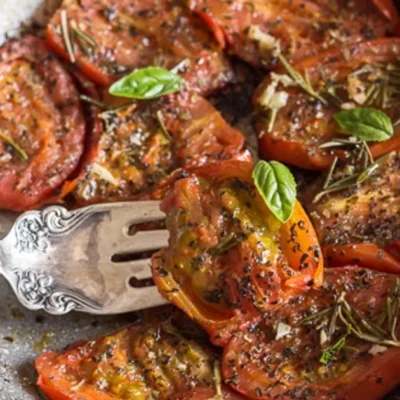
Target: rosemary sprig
347, 320
66, 36
369, 168
85, 42
164, 129
20, 152
303, 82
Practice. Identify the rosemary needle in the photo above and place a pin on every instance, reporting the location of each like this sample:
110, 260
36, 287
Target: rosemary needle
304, 83
21, 152
66, 36
164, 129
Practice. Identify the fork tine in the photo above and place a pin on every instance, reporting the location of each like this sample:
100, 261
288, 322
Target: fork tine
141, 241
139, 269
133, 299
136, 212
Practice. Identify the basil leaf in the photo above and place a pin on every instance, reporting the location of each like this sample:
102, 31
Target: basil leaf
277, 187
147, 83
366, 124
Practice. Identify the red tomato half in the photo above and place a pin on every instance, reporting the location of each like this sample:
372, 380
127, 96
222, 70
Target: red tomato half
229, 259
303, 28
110, 39
42, 124
285, 355
361, 225
141, 362
348, 77
135, 148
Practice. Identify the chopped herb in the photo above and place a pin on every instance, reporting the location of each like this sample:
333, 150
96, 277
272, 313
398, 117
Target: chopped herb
83, 35
20, 152
228, 242
330, 354
93, 101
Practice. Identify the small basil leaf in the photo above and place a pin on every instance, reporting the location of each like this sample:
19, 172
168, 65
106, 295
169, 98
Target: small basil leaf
147, 83
277, 187
366, 124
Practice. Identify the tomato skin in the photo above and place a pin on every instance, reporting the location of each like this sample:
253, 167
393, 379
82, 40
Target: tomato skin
304, 124
262, 367
389, 10
367, 255
231, 289
47, 123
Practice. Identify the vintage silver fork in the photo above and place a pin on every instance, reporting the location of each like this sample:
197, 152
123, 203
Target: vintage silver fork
60, 260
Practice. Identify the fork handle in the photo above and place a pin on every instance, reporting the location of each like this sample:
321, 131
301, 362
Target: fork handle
28, 241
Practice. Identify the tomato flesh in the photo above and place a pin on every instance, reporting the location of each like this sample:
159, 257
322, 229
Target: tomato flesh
136, 147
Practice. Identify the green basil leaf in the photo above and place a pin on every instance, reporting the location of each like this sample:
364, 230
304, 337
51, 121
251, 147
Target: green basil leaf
147, 83
277, 187
366, 124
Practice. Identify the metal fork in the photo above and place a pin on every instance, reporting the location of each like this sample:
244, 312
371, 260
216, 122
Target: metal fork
60, 260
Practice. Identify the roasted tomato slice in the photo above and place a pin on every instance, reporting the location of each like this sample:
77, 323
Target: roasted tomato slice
110, 39
303, 28
153, 360
229, 259
333, 343
137, 146
42, 125
360, 224
360, 75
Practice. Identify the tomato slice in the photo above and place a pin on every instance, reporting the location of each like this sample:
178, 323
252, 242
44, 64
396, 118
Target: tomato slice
139, 362
136, 147
282, 356
229, 259
110, 39
303, 28
360, 225
42, 124
346, 77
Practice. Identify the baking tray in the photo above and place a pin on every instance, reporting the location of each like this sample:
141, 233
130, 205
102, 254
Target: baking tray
25, 334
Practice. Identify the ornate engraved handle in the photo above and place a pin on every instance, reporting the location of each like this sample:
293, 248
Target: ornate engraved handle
26, 247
